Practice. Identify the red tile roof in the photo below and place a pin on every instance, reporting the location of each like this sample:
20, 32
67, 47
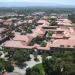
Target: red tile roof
64, 22
24, 38
7, 23
16, 44
64, 42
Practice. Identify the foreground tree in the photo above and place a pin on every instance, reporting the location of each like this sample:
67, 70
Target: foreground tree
6, 65
60, 64
33, 71
17, 55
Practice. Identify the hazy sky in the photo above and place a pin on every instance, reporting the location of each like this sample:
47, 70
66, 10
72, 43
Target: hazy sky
42, 1
65, 2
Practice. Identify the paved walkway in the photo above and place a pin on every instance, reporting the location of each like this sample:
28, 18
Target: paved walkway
30, 64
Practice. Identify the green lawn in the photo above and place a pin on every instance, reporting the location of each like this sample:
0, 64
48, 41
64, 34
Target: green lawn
40, 67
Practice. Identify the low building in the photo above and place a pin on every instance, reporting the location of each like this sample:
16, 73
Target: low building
7, 23
23, 38
41, 22
64, 22
16, 44
39, 32
62, 45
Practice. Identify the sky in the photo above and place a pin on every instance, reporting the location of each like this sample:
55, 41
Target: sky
63, 2
42, 1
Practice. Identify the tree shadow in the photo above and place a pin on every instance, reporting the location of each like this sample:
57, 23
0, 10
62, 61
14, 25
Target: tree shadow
21, 65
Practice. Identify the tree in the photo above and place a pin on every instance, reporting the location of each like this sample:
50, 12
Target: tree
54, 23
7, 33
5, 65
60, 64
9, 67
49, 34
18, 55
48, 66
28, 71
1, 68
33, 71
72, 17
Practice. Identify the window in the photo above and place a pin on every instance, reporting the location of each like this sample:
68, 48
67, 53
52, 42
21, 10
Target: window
61, 45
73, 46
68, 45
